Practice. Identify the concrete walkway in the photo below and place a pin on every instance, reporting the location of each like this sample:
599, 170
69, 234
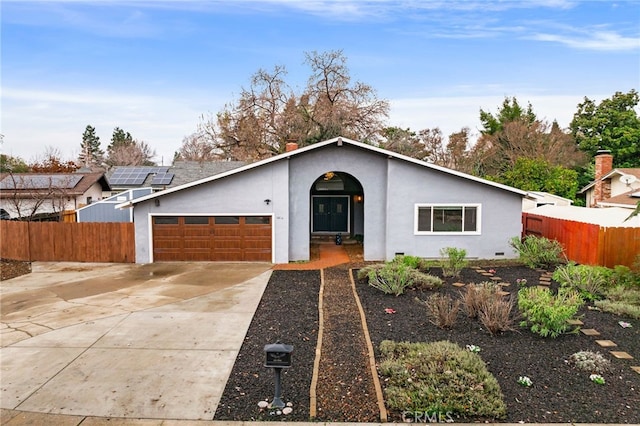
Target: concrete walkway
124, 341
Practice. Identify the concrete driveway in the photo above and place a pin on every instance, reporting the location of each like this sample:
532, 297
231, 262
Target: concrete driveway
153, 341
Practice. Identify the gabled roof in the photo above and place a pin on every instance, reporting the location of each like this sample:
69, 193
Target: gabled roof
621, 171
71, 184
339, 141
628, 200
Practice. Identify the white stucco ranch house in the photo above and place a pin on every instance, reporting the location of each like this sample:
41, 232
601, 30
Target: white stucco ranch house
269, 210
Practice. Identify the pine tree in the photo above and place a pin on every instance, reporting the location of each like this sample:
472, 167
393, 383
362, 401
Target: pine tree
90, 152
120, 138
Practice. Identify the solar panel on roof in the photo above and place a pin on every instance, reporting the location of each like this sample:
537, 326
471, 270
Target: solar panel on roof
63, 181
162, 178
136, 175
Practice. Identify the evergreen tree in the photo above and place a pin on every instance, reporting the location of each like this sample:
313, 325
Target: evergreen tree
120, 138
612, 124
90, 152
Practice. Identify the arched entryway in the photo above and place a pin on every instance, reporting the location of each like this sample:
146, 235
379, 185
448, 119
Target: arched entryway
337, 206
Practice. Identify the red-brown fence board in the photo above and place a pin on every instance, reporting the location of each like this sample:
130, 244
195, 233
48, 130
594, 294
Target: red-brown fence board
67, 241
587, 243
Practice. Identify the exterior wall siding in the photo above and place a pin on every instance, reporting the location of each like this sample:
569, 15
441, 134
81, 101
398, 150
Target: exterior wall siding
411, 184
240, 194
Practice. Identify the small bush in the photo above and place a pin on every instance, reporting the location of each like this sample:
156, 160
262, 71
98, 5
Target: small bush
619, 308
495, 315
537, 252
411, 261
424, 281
590, 282
439, 377
442, 310
453, 261
391, 278
624, 276
475, 296
621, 300
591, 362
395, 277
545, 313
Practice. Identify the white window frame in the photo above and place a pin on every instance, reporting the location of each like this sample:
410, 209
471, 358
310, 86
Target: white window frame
478, 207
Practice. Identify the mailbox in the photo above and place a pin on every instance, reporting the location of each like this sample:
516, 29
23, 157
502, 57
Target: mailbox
278, 355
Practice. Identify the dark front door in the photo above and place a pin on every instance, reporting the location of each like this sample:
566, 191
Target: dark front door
330, 214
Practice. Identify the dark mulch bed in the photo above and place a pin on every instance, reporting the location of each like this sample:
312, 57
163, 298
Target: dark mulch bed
559, 392
13, 268
288, 311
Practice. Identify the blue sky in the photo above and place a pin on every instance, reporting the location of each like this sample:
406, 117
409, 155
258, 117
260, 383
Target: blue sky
153, 68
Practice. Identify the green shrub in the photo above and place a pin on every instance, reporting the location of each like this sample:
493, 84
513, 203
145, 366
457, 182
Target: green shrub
391, 278
621, 300
395, 277
547, 314
439, 377
590, 282
537, 252
619, 308
411, 261
442, 310
424, 281
453, 261
625, 276
591, 362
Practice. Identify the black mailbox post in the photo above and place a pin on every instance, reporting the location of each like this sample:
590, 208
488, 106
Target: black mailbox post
277, 356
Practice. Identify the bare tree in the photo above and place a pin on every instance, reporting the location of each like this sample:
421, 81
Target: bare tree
523, 139
334, 106
135, 153
252, 128
198, 147
269, 114
403, 141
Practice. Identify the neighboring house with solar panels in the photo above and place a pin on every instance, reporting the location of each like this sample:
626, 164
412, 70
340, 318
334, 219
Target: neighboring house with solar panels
27, 195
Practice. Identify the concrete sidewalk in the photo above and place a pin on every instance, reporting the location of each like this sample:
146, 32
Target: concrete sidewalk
125, 341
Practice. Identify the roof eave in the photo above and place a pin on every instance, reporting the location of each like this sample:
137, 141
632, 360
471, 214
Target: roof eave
340, 141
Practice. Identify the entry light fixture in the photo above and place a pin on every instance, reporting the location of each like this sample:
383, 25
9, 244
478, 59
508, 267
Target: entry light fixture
157, 201
357, 198
267, 201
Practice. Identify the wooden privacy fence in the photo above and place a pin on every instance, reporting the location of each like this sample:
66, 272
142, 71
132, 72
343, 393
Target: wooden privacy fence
67, 242
587, 243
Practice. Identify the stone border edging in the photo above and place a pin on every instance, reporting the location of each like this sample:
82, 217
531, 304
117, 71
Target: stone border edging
313, 400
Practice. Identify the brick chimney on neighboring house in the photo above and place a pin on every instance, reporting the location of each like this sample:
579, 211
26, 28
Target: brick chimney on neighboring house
291, 145
602, 188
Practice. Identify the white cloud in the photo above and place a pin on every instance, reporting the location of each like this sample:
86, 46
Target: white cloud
593, 40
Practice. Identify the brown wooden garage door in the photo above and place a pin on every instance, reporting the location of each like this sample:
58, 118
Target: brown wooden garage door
212, 238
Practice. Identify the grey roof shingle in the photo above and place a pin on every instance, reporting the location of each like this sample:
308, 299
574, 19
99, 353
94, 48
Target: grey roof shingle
190, 171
